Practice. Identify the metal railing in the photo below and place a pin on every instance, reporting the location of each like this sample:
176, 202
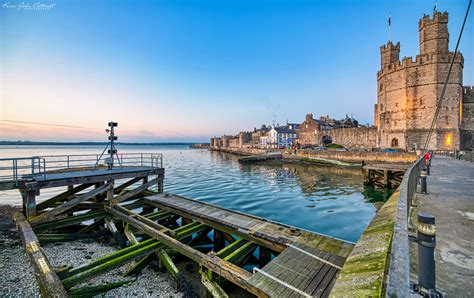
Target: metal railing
461, 155
398, 283
12, 169
15, 169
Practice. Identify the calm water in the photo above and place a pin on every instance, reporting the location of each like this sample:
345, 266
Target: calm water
327, 200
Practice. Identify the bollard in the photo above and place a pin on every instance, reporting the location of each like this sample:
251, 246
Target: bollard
426, 246
422, 178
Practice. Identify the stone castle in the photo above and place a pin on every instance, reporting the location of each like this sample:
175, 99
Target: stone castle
407, 94
408, 91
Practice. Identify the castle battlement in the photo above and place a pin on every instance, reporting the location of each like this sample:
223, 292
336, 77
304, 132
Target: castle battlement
420, 60
438, 17
389, 46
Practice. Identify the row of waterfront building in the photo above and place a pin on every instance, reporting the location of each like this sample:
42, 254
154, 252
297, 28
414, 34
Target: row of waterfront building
408, 92
314, 132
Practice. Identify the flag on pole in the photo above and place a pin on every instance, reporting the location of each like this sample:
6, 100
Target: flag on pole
389, 20
435, 8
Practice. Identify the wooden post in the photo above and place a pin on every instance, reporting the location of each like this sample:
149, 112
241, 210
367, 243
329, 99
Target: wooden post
264, 256
110, 192
49, 283
159, 185
219, 240
29, 199
385, 178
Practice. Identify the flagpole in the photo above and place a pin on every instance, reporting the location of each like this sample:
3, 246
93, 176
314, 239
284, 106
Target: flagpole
390, 27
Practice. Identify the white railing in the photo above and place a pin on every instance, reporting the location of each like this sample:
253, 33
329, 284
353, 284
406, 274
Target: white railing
15, 169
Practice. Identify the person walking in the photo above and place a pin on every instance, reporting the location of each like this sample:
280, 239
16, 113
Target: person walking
427, 158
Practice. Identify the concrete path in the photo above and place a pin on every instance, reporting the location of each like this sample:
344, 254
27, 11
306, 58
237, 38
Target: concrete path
450, 199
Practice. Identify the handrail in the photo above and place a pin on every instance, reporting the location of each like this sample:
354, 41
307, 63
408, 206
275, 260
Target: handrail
15, 169
398, 282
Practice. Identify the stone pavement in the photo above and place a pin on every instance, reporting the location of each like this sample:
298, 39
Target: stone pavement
450, 199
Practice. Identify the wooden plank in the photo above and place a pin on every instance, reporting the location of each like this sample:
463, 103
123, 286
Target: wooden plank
61, 197
49, 283
68, 205
328, 278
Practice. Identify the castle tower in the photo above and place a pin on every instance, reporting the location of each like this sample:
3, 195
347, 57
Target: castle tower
389, 54
408, 91
433, 33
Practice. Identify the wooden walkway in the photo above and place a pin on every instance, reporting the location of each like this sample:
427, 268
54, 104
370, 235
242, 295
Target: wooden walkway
307, 265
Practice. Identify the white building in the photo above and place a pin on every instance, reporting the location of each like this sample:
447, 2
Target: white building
279, 137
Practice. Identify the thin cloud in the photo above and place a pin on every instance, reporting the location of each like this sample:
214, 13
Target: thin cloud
49, 124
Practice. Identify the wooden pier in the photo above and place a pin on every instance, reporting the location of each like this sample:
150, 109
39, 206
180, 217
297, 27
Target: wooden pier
384, 175
265, 258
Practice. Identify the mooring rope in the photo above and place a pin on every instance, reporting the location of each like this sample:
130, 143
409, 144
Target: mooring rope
316, 257
281, 282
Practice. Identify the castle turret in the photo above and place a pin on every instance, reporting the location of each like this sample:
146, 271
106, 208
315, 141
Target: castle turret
434, 36
389, 54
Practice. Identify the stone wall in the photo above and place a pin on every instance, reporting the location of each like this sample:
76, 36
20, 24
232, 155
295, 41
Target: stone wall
356, 137
356, 156
467, 124
408, 91
307, 135
242, 151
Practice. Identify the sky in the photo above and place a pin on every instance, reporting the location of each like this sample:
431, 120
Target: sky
189, 70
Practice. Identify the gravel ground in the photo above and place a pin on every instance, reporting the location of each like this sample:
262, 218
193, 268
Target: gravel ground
17, 279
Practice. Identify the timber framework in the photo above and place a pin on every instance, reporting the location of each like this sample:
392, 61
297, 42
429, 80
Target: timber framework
127, 203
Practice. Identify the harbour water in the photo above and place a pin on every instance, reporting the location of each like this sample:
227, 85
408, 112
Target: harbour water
326, 200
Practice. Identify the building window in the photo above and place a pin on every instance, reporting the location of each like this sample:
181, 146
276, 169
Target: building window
394, 143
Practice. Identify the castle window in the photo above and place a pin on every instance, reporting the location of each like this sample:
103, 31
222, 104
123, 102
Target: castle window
394, 143
381, 87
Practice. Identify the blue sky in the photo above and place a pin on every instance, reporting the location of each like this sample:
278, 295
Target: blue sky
189, 70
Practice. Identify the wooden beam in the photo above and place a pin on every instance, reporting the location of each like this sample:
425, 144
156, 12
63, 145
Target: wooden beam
214, 289
123, 214
99, 178
49, 215
239, 254
90, 291
61, 197
275, 244
115, 232
114, 263
134, 192
231, 248
49, 283
68, 221
112, 256
169, 264
123, 186
225, 269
